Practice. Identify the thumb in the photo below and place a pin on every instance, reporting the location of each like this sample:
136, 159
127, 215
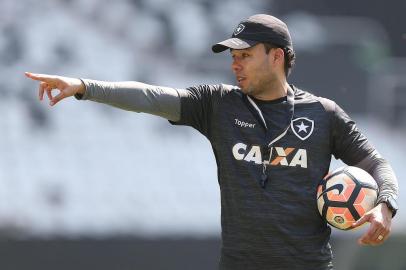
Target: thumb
57, 98
361, 221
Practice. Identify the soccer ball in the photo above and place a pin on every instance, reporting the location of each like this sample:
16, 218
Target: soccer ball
345, 195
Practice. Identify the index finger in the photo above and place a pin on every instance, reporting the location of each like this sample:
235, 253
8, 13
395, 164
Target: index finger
40, 77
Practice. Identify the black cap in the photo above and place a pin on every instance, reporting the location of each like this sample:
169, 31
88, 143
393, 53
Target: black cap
259, 28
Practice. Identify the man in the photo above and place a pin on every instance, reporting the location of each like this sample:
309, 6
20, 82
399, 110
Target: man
272, 142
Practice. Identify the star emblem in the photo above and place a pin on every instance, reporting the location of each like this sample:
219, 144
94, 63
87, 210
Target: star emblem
303, 130
302, 127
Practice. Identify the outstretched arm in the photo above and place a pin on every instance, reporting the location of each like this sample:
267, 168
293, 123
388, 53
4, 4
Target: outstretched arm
132, 96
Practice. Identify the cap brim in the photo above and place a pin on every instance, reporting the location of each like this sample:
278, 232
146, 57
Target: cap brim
233, 43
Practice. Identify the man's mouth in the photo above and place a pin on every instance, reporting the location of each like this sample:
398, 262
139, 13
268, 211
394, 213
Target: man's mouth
240, 79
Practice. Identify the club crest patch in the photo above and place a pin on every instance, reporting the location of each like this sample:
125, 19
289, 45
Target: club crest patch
239, 29
302, 127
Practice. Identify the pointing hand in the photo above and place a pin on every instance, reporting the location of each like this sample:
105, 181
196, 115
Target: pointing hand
67, 86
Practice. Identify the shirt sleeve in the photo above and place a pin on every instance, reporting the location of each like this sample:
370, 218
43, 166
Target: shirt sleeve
354, 149
198, 105
348, 143
383, 174
134, 96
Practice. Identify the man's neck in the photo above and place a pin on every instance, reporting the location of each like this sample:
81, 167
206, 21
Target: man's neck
275, 91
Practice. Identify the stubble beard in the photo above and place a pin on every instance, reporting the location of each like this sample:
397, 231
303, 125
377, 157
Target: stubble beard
254, 91
248, 90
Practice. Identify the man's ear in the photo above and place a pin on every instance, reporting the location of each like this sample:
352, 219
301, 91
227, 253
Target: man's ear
278, 55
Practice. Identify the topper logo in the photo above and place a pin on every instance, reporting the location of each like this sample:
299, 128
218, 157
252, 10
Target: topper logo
243, 124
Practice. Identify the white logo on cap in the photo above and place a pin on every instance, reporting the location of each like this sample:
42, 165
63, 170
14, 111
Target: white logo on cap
239, 29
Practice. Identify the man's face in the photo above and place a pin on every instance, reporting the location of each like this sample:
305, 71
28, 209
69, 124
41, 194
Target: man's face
253, 68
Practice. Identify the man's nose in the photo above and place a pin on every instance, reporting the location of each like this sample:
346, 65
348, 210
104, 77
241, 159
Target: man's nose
236, 66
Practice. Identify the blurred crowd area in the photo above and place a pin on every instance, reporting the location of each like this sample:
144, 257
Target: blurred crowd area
85, 169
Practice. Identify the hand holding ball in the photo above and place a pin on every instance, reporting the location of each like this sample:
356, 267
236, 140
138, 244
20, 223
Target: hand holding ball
345, 195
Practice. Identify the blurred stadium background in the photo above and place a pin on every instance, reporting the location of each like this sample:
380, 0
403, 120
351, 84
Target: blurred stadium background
86, 186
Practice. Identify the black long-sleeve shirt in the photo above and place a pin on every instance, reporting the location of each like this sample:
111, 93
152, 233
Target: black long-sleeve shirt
270, 158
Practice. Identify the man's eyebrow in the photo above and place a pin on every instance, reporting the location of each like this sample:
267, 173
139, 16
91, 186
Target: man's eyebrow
240, 50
